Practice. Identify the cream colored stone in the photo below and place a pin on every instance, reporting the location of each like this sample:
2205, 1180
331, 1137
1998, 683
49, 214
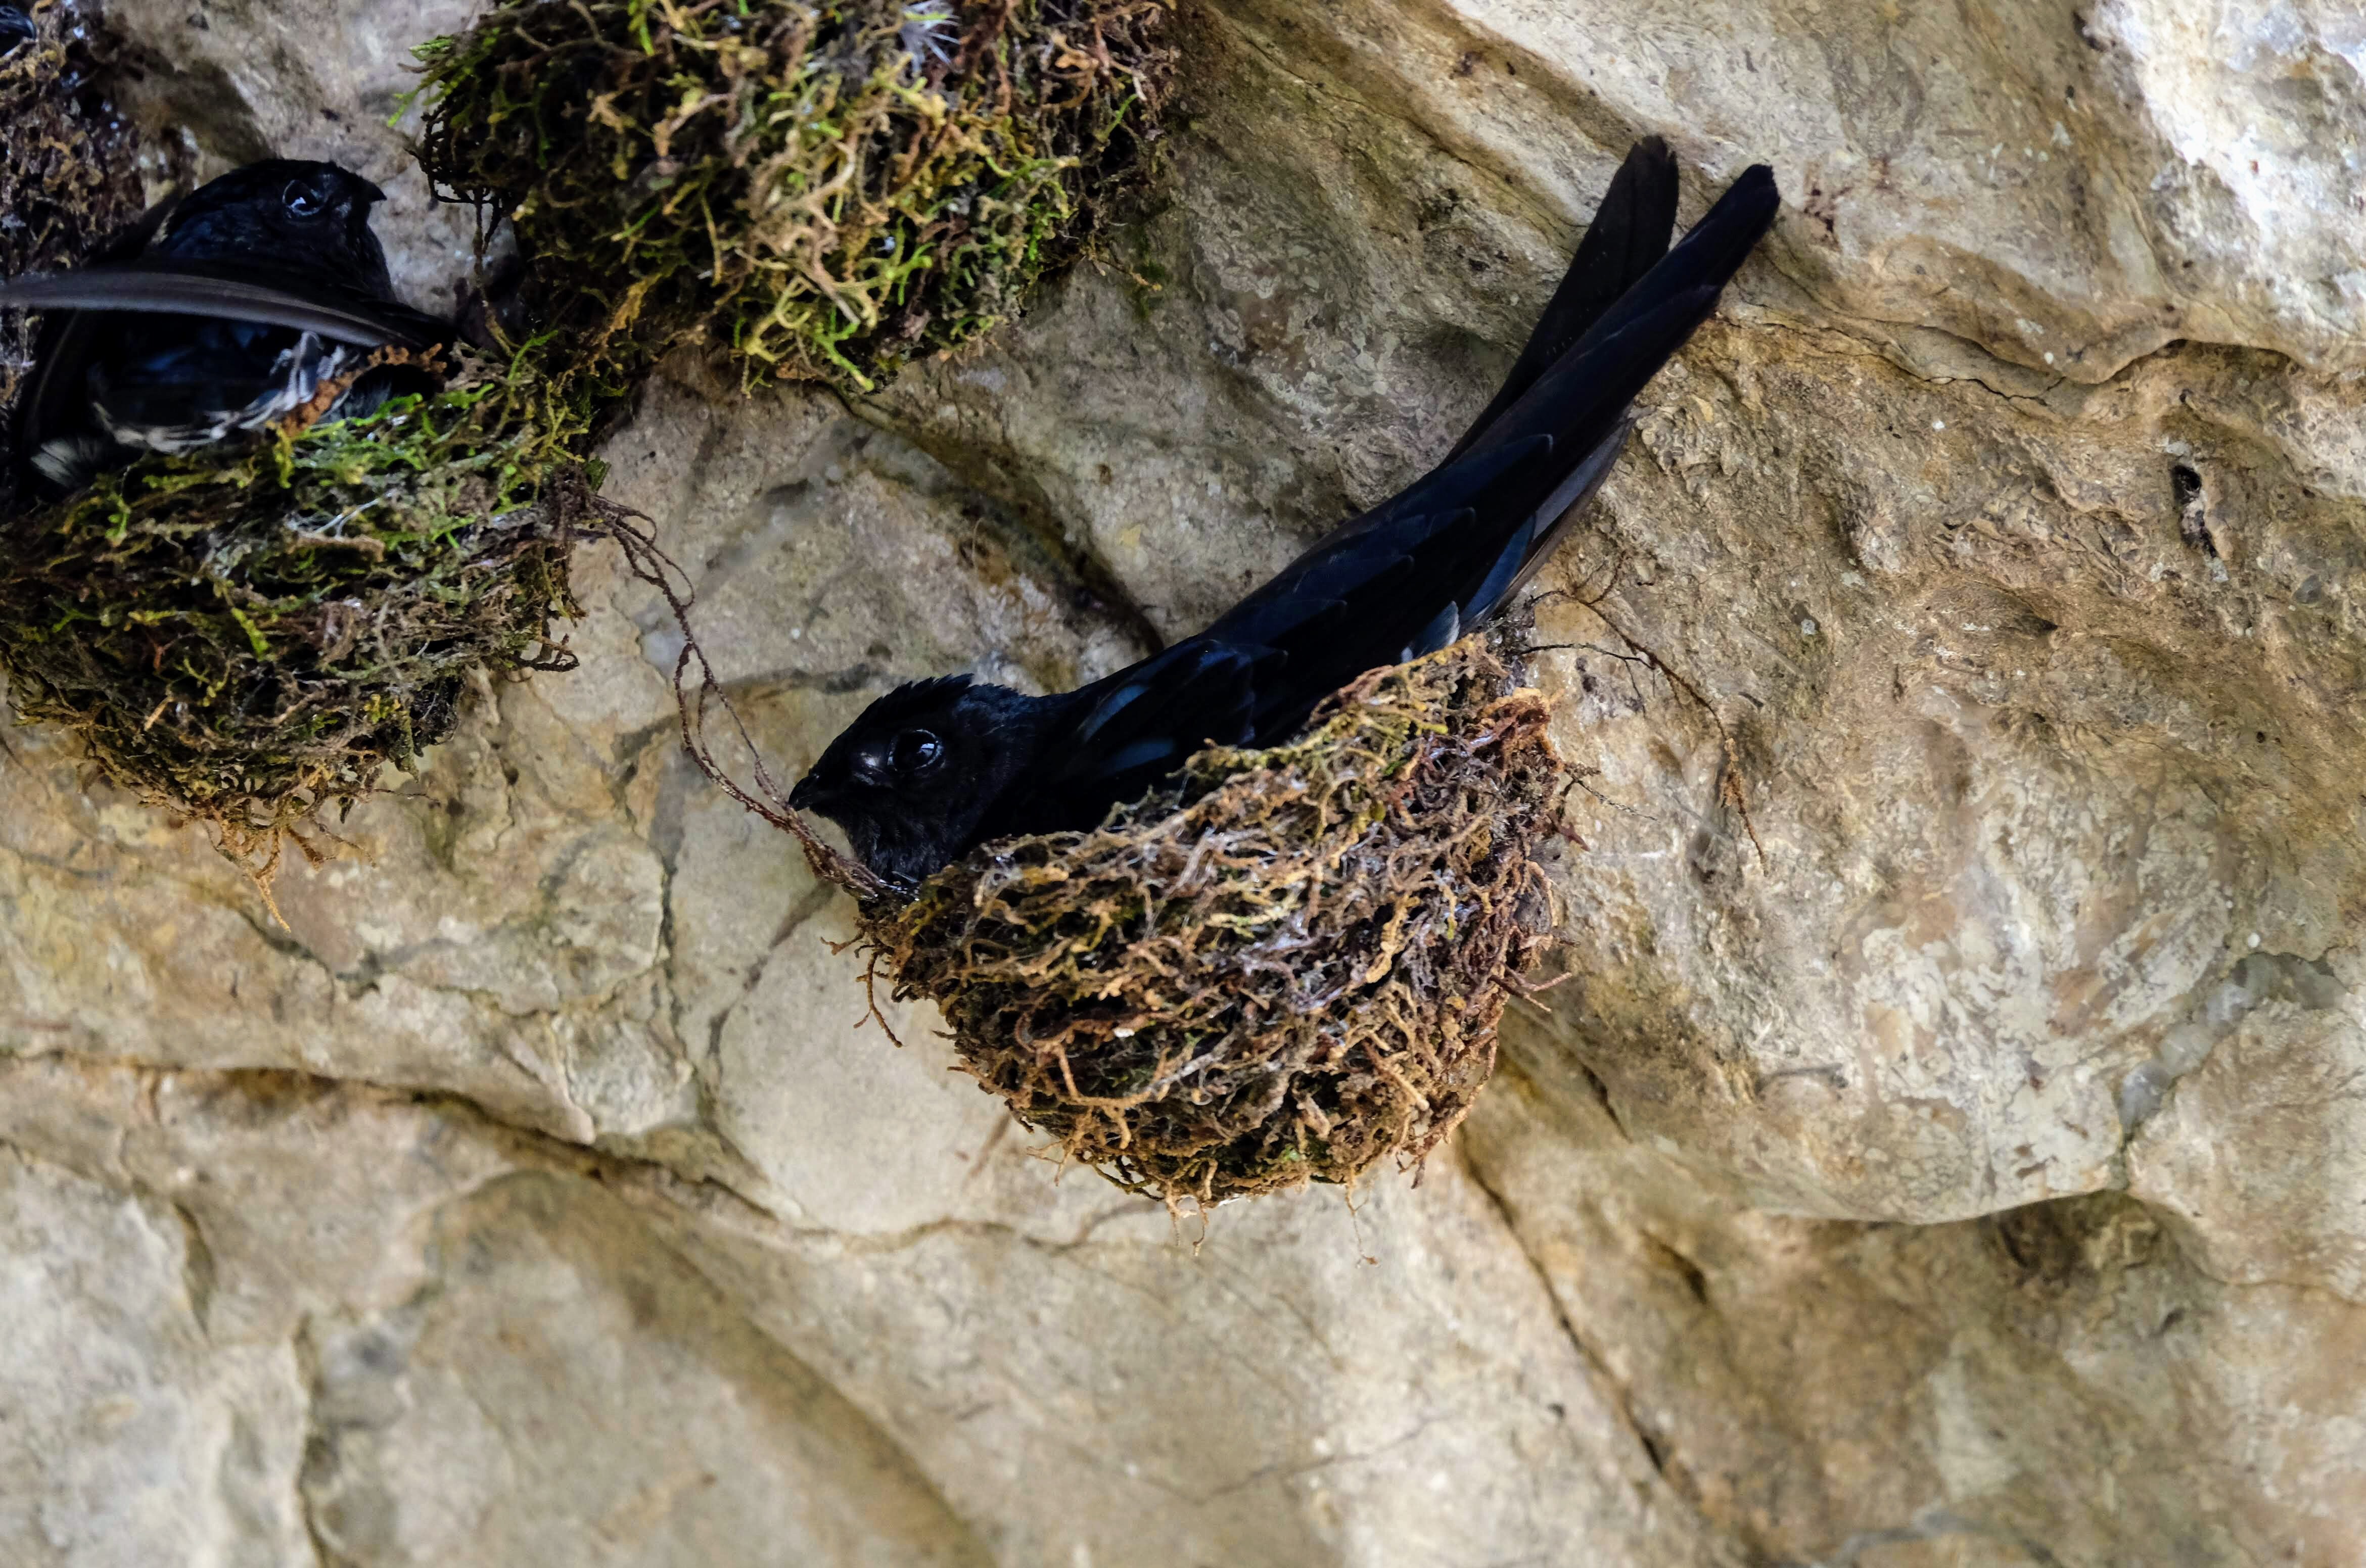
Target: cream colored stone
130, 1437
2261, 1150
1970, 1178
222, 82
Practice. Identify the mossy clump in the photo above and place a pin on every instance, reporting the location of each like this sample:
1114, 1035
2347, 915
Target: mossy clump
830, 187
1286, 968
247, 636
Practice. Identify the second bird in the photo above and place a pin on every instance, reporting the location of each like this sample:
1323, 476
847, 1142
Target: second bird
938, 767
216, 316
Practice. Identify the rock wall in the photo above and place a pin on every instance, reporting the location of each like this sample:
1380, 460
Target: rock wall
1959, 1161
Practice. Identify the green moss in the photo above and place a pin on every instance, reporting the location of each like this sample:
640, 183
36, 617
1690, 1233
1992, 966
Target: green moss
828, 187
248, 636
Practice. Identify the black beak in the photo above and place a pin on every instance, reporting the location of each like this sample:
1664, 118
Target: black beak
809, 795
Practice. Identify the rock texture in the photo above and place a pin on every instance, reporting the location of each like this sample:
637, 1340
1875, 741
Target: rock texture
1957, 1162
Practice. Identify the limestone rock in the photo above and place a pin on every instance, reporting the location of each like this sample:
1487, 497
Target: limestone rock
1954, 1162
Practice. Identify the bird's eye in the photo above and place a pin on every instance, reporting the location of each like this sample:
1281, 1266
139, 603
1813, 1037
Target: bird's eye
301, 200
914, 750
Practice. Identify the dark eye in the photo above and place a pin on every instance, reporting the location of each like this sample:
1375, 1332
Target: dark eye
914, 750
301, 200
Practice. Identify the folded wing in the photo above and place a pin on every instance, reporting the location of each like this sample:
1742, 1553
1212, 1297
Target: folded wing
79, 304
190, 288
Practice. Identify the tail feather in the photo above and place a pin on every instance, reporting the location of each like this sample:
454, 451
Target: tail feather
56, 399
1561, 510
1581, 401
1628, 344
1705, 258
1629, 233
70, 462
49, 402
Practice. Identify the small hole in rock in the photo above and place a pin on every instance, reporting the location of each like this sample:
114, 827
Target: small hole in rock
2185, 484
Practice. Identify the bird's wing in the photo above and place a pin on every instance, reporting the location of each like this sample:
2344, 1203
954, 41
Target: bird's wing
1137, 726
186, 289
1630, 232
1408, 575
55, 399
1222, 686
1627, 344
76, 303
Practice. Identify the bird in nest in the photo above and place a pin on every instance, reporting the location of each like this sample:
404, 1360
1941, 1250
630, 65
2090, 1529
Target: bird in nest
936, 768
230, 310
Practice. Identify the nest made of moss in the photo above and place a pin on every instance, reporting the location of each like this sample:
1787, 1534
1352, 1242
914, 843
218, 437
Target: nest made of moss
1287, 967
830, 187
247, 636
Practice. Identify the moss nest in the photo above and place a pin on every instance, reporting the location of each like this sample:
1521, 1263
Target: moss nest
247, 636
1286, 968
831, 188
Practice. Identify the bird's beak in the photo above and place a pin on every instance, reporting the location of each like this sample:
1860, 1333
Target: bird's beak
809, 795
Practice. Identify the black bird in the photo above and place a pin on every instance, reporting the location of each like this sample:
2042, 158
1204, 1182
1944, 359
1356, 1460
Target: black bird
215, 315
938, 767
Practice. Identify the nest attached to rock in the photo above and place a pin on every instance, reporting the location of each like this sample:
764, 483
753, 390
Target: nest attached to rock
1287, 967
828, 187
246, 636
71, 174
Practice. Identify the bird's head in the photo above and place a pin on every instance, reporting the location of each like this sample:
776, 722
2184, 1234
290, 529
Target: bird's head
912, 778
286, 211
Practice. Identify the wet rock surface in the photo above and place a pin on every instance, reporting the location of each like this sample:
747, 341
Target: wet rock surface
1963, 1169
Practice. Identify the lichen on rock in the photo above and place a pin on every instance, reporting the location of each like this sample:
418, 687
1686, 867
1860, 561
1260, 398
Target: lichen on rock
830, 189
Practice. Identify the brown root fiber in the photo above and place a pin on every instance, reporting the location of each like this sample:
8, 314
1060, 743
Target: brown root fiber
1286, 968
828, 188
